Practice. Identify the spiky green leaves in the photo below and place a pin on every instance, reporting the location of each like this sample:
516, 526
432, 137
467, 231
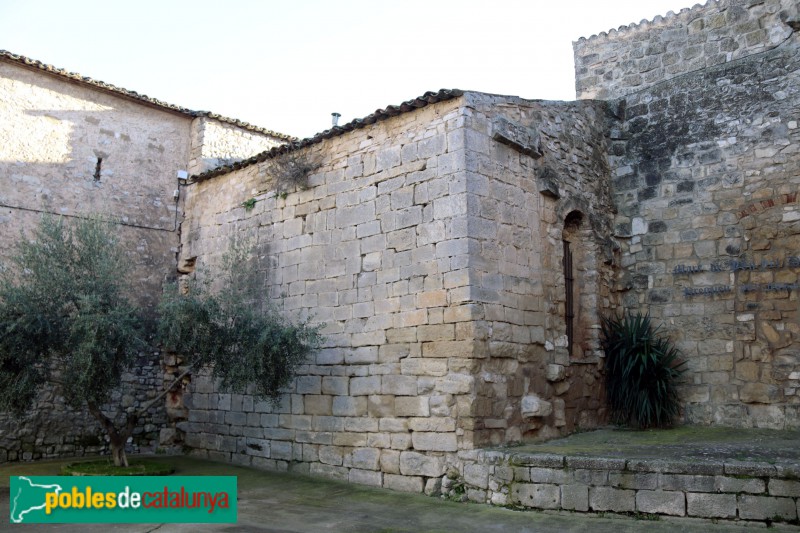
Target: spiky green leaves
642, 371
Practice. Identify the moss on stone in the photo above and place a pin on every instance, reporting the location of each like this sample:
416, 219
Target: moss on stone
686, 443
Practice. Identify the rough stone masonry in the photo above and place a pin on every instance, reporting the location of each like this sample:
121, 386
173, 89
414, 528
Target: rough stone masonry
461, 248
433, 242
72, 146
427, 250
706, 176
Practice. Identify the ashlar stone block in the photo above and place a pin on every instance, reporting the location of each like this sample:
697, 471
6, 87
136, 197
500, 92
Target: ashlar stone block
711, 505
349, 406
390, 461
318, 404
784, 487
737, 485
418, 464
363, 386
766, 508
403, 483
365, 477
363, 458
520, 138
537, 495
575, 497
399, 385
335, 385
611, 499
439, 442
661, 502
411, 406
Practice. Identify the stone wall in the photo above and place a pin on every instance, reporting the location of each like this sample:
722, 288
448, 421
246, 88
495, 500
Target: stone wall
707, 171
51, 429
72, 150
73, 146
638, 56
356, 250
748, 492
429, 244
529, 166
216, 143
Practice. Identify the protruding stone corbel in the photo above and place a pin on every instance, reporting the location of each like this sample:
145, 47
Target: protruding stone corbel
547, 181
522, 139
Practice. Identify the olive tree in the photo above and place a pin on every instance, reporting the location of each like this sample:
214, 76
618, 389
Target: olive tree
66, 318
225, 322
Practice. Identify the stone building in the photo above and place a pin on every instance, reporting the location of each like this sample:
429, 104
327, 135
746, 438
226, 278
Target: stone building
460, 248
69, 146
429, 243
705, 178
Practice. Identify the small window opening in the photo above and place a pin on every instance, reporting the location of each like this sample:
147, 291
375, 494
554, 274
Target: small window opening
98, 168
569, 289
572, 225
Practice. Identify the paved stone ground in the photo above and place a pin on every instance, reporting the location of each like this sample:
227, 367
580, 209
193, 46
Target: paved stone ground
272, 502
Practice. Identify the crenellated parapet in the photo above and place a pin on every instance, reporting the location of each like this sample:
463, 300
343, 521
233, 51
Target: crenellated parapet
630, 58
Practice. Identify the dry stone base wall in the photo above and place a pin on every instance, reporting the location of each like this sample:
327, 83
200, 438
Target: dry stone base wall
52, 429
725, 491
364, 437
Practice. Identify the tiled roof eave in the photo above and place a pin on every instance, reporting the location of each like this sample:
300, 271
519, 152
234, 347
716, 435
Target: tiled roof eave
36, 65
381, 114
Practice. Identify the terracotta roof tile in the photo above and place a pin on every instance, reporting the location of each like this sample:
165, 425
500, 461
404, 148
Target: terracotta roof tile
379, 115
38, 65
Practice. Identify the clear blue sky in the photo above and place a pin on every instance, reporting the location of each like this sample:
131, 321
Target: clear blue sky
286, 65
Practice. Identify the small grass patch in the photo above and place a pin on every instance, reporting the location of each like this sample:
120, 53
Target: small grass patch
138, 467
249, 204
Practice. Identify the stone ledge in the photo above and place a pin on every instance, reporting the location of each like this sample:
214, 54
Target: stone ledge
729, 490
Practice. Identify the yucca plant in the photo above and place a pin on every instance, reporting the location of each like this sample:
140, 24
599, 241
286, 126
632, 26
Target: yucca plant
642, 370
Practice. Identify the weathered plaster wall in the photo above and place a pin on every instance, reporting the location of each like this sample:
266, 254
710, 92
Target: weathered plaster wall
707, 172
634, 57
52, 134
216, 143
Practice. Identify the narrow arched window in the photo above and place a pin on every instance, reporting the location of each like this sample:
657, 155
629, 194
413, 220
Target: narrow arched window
572, 225
569, 294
